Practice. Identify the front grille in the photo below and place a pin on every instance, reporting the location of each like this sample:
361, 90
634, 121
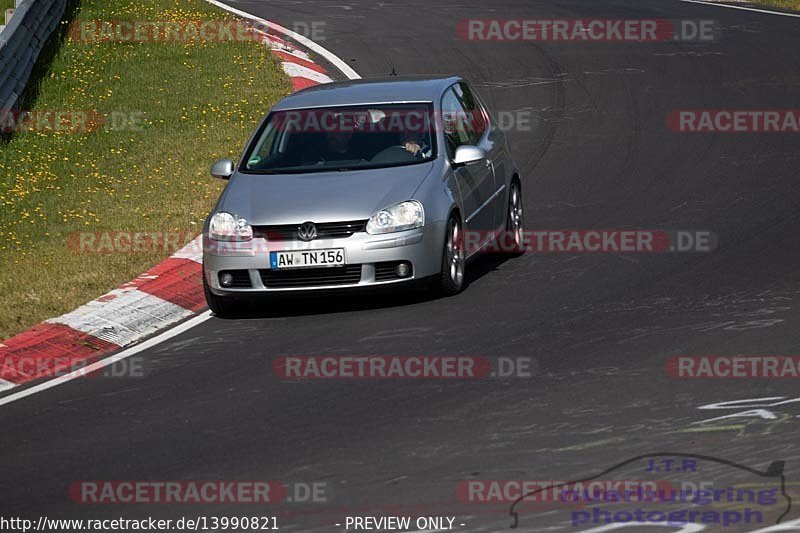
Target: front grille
386, 271
241, 279
325, 230
311, 277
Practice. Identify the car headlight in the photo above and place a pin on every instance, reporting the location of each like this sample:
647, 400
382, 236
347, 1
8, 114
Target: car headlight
398, 217
226, 227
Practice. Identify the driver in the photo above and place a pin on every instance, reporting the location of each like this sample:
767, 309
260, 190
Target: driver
412, 142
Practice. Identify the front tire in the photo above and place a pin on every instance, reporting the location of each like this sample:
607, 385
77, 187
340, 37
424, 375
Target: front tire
453, 275
222, 306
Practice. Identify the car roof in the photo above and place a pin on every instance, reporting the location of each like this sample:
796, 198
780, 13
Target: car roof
370, 91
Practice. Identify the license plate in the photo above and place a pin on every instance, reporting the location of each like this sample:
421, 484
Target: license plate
332, 257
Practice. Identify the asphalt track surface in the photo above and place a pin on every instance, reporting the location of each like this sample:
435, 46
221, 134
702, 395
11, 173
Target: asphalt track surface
600, 326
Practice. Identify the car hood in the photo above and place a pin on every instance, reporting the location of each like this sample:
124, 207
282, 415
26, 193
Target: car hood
274, 199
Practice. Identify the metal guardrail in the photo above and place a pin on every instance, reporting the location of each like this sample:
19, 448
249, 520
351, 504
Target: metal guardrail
21, 42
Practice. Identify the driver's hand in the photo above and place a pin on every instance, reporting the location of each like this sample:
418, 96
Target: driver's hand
413, 147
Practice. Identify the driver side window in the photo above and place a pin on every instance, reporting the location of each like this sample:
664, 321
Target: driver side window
477, 122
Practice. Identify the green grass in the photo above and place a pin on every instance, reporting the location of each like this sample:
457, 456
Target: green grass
199, 101
5, 4
783, 4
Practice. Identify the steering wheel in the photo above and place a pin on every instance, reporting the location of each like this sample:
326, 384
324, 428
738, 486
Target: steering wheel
423, 152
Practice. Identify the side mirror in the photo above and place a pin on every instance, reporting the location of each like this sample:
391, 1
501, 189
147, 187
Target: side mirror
468, 155
222, 169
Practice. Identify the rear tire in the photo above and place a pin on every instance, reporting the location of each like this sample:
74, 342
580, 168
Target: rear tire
222, 306
453, 276
515, 221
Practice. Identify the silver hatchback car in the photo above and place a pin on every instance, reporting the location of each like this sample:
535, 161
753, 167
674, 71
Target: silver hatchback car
363, 184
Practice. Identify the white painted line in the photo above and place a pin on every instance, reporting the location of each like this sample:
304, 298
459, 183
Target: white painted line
189, 324
794, 525
767, 11
192, 251
5, 385
302, 39
130, 316
299, 71
276, 43
278, 47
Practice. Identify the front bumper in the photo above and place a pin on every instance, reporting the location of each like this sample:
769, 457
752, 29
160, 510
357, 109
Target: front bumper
369, 261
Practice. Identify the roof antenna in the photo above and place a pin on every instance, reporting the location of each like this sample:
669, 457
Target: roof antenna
391, 64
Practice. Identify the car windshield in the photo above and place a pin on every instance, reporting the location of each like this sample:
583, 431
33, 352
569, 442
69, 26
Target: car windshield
343, 138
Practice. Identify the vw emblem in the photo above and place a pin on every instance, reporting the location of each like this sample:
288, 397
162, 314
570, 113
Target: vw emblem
307, 231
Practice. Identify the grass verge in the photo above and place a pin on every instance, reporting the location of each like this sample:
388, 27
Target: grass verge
782, 4
5, 4
170, 109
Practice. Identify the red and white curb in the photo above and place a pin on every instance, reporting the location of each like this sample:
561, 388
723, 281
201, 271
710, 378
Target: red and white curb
168, 293
302, 40
297, 64
161, 297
